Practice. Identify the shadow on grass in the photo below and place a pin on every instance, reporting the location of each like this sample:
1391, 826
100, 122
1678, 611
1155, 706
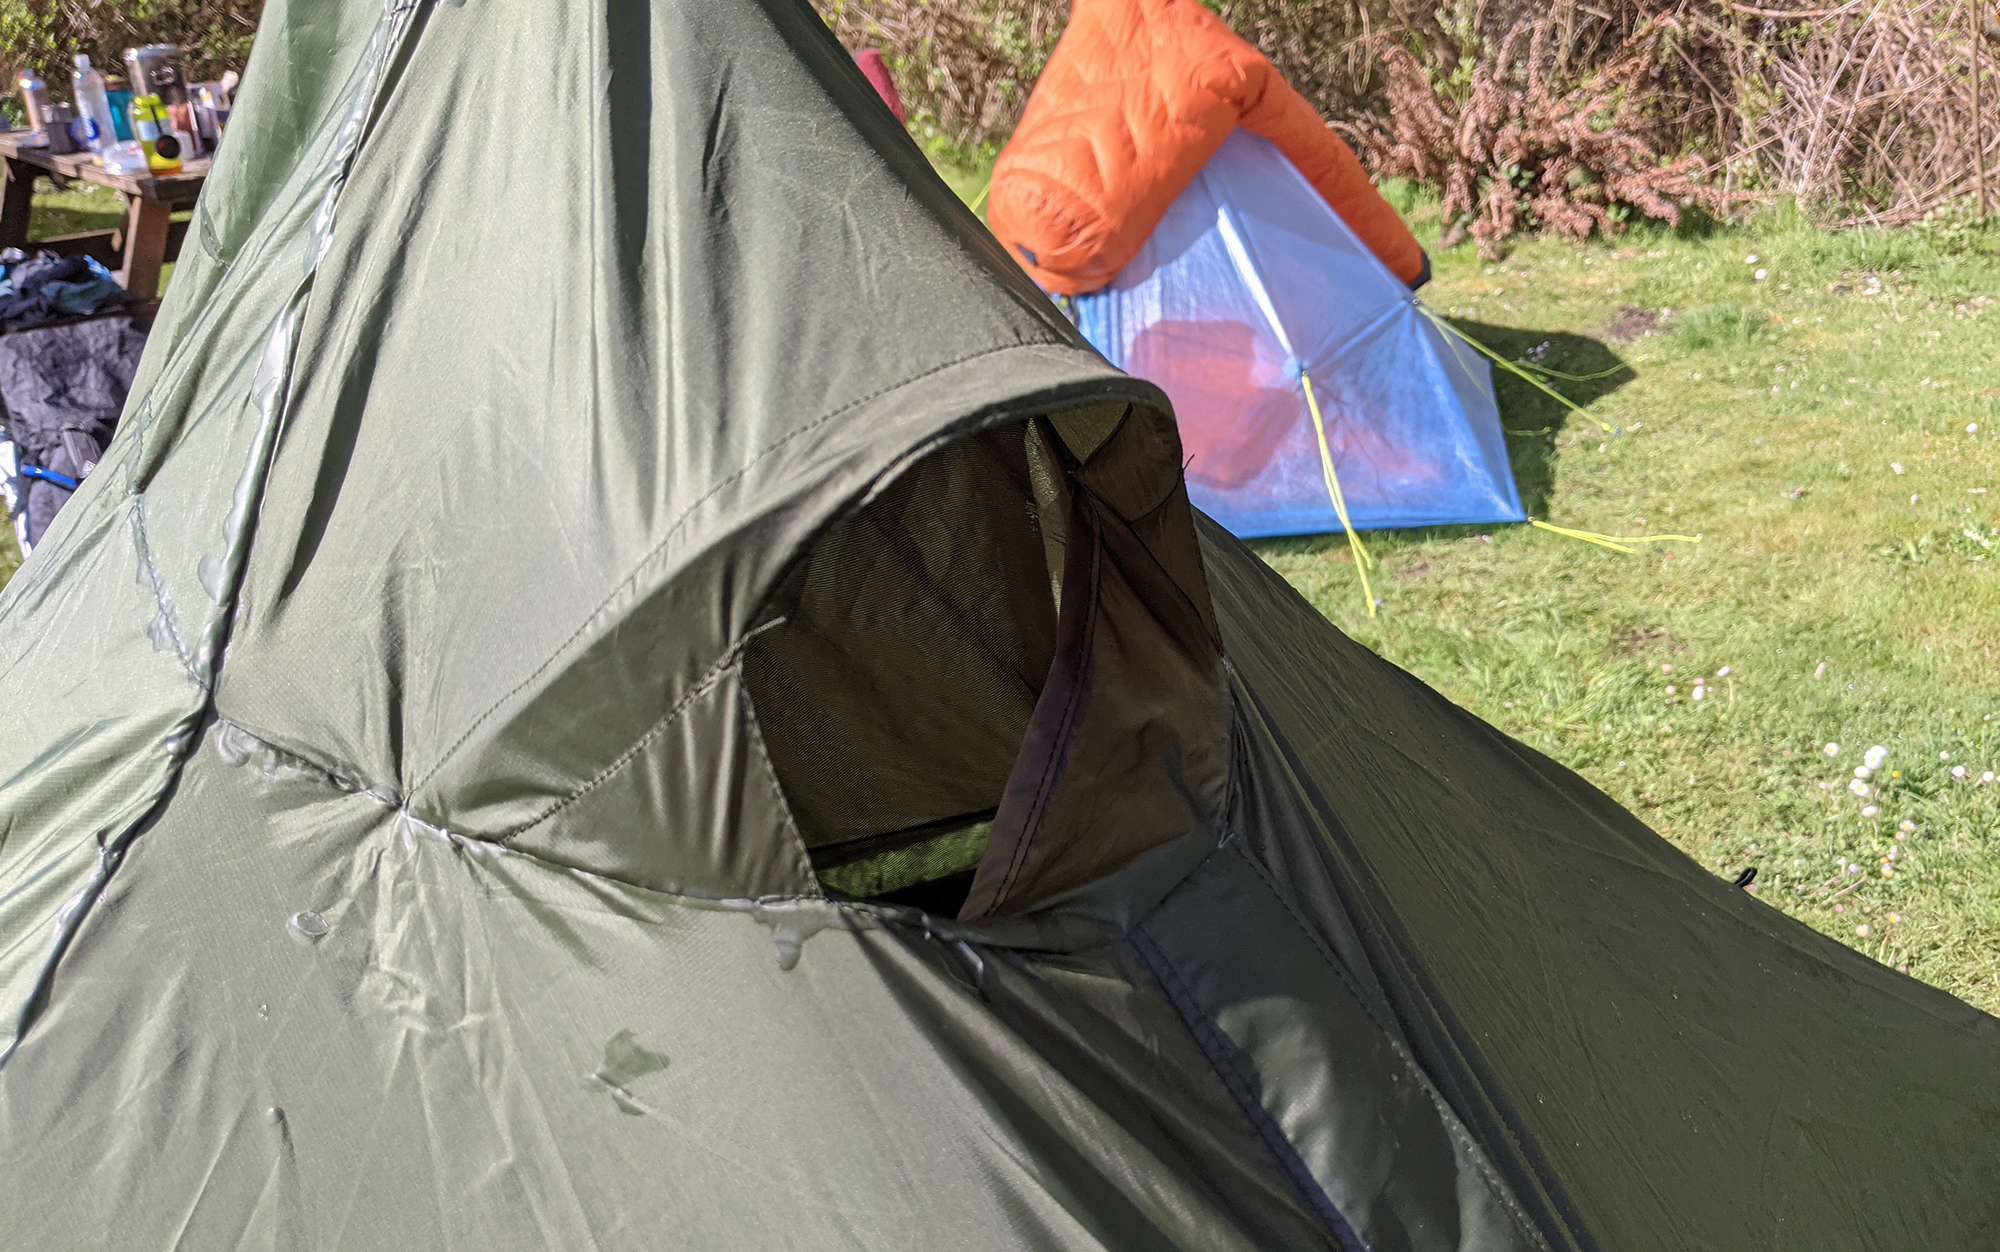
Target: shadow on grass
1531, 419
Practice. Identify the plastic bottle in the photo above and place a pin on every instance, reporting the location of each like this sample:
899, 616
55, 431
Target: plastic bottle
156, 136
120, 91
93, 106
35, 101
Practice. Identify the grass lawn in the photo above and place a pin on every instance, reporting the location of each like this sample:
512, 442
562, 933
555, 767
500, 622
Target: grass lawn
1832, 432
1812, 427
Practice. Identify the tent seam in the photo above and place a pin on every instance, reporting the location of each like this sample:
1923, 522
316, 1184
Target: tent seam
397, 806
1392, 1035
157, 585
702, 686
801, 856
630, 579
1217, 1048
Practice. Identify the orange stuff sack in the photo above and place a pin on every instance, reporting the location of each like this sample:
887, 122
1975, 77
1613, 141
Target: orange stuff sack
1137, 97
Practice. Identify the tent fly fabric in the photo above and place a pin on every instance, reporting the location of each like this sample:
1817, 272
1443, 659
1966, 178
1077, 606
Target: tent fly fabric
442, 726
1250, 287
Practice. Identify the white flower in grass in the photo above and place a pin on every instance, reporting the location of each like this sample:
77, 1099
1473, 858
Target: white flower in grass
1986, 778
1831, 749
1958, 771
1858, 787
1862, 771
1906, 826
1875, 756
1869, 810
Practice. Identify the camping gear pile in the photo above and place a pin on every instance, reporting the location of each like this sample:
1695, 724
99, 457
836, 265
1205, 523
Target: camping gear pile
46, 287
1219, 240
435, 743
63, 387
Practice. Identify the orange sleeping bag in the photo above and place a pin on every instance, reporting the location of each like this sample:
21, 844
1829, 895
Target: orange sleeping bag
1137, 97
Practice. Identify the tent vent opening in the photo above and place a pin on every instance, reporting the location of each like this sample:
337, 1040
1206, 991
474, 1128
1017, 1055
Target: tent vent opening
916, 636
997, 679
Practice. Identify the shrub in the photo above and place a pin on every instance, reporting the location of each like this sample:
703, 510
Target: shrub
43, 35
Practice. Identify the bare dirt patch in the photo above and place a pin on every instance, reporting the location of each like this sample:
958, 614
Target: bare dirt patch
1632, 323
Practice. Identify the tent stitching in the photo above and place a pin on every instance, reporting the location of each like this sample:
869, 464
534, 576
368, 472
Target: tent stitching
687, 514
702, 686
1393, 1036
800, 855
1229, 1064
1388, 945
398, 806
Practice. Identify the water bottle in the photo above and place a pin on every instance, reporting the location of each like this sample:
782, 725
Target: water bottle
93, 106
35, 101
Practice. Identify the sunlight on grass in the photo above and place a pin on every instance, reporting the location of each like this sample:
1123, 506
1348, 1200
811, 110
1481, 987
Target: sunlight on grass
1830, 430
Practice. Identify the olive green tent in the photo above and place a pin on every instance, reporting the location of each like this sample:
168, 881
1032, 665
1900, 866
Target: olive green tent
628, 683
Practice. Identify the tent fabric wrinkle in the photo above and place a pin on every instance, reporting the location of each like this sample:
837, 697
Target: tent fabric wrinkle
755, 735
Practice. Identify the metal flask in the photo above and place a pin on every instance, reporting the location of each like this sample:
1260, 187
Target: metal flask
156, 70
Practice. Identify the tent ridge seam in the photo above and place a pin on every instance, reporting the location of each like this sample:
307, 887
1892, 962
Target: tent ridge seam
1392, 1034
704, 684
632, 578
1219, 1050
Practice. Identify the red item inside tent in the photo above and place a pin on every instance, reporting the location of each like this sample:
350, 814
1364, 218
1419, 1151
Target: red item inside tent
877, 69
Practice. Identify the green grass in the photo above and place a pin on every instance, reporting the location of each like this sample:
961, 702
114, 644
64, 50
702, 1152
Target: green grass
83, 207
1852, 603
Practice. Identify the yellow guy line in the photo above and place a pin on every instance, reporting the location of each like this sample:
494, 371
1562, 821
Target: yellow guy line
1614, 542
1617, 543
1515, 368
1362, 561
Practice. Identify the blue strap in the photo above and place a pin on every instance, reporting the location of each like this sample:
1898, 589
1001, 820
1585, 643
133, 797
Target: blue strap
50, 476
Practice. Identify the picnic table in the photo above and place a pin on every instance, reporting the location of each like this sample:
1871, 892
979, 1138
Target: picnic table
150, 237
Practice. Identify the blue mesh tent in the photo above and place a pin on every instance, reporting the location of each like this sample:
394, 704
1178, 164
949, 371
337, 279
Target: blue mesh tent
1251, 288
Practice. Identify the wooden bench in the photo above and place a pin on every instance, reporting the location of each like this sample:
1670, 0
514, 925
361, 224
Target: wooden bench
150, 237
